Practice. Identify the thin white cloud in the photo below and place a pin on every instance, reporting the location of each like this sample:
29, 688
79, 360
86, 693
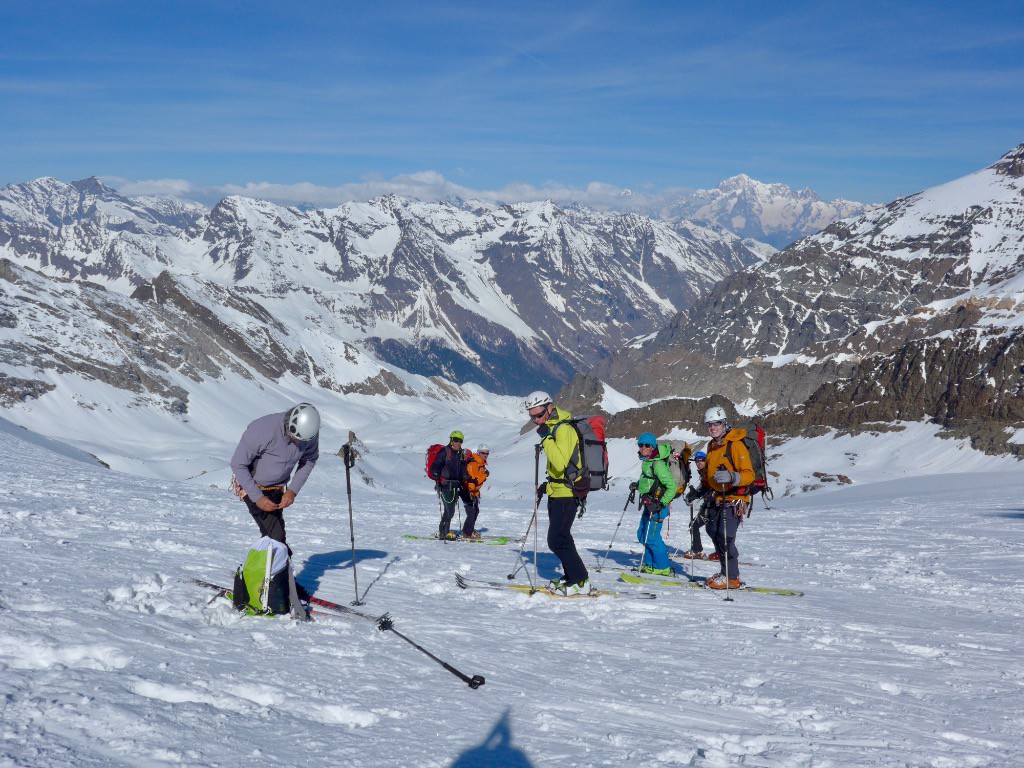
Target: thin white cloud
425, 185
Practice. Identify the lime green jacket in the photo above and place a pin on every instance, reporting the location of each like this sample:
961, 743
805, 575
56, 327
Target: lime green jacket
560, 446
656, 469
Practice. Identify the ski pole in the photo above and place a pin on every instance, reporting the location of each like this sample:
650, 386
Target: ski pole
537, 506
629, 500
647, 532
533, 519
350, 461
386, 624
726, 510
692, 578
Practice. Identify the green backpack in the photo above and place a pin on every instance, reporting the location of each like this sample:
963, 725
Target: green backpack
264, 583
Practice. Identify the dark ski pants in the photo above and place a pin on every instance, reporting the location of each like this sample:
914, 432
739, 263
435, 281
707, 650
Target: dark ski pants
722, 527
450, 495
561, 515
696, 545
472, 504
270, 523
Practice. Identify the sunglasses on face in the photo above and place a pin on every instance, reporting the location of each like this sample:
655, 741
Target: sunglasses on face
456, 441
715, 423
540, 415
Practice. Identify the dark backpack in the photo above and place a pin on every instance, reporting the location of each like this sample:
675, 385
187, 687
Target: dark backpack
592, 474
755, 442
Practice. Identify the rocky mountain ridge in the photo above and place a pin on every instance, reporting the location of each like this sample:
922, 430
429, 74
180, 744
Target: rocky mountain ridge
910, 311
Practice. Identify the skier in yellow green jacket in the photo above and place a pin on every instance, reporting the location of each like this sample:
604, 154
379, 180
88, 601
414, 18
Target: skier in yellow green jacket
562, 450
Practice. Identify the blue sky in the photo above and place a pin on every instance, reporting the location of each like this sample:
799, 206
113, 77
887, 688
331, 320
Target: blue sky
866, 101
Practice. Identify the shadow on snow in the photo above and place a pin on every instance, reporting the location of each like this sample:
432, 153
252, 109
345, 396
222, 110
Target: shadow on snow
317, 565
496, 751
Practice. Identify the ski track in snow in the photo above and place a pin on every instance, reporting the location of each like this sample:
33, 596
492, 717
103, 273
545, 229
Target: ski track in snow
905, 650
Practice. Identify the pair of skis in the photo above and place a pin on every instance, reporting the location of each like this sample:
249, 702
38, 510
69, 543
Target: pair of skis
463, 583
698, 582
493, 541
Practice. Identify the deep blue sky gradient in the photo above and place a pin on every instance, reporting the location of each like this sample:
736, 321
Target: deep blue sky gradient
866, 100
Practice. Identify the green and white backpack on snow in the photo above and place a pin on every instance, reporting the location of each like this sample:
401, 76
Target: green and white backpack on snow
264, 584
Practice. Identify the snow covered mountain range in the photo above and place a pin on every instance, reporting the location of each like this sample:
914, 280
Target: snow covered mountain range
910, 311
770, 213
509, 297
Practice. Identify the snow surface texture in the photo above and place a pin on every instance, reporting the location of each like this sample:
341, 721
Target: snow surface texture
905, 650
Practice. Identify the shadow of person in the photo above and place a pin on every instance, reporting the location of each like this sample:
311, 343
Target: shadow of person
317, 565
548, 564
623, 559
496, 751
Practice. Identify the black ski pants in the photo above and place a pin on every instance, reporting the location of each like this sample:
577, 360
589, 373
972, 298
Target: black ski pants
270, 523
561, 515
723, 525
696, 545
450, 495
472, 504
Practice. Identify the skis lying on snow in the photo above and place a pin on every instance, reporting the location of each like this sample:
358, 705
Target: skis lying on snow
384, 624
688, 560
699, 583
492, 540
526, 589
326, 607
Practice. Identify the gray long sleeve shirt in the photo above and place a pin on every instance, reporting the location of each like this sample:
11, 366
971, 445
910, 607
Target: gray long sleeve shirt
266, 456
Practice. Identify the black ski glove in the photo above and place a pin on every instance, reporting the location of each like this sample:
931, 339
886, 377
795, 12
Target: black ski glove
541, 490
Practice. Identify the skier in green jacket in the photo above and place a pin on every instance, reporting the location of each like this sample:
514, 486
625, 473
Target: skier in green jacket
657, 488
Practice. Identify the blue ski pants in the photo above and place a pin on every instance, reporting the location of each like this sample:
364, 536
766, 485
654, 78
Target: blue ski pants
655, 551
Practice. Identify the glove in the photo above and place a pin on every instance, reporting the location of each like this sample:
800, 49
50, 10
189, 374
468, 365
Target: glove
632, 487
541, 490
690, 495
651, 504
543, 430
725, 477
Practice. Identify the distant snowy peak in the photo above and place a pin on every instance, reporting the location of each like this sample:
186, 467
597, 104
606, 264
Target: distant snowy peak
772, 213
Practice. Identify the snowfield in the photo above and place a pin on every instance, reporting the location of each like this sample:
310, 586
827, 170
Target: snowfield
905, 651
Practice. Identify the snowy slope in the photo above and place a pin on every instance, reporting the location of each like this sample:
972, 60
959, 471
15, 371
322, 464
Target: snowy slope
931, 281
904, 650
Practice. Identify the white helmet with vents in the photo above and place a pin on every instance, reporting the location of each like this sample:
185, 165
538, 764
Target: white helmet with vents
302, 422
715, 413
537, 399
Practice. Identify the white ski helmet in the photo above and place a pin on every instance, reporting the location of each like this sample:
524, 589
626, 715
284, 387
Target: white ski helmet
302, 422
715, 413
537, 399
482, 448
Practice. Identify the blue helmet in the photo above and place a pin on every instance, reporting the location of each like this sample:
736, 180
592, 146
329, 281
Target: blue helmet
700, 455
647, 439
